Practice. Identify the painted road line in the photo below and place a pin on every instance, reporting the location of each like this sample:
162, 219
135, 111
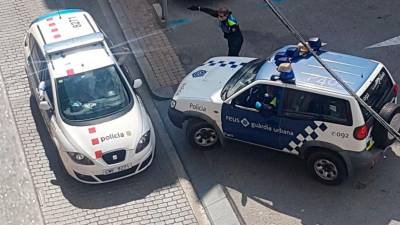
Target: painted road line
389, 42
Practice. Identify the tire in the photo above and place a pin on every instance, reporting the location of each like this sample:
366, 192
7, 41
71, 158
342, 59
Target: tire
201, 134
327, 167
390, 112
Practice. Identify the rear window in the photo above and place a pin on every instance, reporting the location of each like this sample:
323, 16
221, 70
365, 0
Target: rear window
377, 92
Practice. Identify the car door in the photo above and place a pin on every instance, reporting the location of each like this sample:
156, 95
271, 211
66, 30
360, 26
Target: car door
38, 72
32, 58
301, 118
241, 119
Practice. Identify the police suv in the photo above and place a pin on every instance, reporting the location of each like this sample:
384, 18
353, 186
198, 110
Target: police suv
99, 125
290, 103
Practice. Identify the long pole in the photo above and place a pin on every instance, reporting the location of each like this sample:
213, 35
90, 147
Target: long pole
300, 38
164, 10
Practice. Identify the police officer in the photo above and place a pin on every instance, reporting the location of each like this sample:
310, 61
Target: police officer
229, 26
269, 102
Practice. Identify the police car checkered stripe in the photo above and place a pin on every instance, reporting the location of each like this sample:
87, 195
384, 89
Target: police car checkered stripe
231, 64
308, 134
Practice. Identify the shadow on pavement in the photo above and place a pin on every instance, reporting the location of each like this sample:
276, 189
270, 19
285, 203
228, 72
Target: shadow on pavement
273, 186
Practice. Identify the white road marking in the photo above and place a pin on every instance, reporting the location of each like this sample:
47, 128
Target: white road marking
389, 42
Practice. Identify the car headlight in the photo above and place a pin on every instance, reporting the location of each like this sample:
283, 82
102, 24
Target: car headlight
173, 104
143, 142
80, 158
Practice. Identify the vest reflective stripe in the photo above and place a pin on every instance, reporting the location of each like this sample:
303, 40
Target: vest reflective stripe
231, 21
273, 102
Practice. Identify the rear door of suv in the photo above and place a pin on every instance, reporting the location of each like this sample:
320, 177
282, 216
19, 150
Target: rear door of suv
310, 117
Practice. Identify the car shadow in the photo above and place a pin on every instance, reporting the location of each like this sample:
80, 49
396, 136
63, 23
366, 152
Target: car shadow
96, 196
281, 183
267, 185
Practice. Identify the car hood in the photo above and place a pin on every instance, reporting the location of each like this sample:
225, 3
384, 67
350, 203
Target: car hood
208, 79
121, 133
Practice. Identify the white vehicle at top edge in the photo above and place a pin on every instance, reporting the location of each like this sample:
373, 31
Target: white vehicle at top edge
97, 122
258, 101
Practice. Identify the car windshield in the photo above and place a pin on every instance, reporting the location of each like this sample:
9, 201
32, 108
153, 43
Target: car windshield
92, 94
243, 77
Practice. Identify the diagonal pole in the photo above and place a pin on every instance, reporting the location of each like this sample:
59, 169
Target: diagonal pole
300, 38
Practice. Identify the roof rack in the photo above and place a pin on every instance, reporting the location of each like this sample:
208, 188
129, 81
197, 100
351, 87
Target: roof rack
72, 43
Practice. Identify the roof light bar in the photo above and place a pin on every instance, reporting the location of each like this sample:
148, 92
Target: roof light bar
299, 37
72, 43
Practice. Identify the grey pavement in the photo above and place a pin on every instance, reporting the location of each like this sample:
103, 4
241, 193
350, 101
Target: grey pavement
19, 204
156, 196
158, 62
150, 45
270, 187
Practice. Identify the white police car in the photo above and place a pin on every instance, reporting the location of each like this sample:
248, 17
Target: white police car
290, 103
99, 125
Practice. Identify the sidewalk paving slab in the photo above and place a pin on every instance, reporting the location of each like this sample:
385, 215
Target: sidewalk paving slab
154, 53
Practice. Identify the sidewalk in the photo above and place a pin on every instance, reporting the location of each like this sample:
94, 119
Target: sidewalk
19, 204
150, 46
163, 71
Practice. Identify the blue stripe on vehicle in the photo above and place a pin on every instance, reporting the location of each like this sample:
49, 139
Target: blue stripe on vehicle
55, 13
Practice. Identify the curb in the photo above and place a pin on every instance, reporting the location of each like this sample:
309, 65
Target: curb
216, 203
35, 194
162, 93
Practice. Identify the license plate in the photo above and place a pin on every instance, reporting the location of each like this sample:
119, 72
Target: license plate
118, 169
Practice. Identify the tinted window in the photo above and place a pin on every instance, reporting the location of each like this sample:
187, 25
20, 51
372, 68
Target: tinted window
300, 104
265, 94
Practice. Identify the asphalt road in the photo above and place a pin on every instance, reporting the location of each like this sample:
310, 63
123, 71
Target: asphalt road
274, 188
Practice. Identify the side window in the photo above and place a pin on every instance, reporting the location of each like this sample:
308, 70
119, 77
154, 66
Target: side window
260, 96
335, 110
301, 104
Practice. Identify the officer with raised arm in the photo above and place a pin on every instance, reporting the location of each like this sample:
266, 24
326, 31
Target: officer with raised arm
229, 26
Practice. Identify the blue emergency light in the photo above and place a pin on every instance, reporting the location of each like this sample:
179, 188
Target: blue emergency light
281, 60
286, 74
315, 43
292, 52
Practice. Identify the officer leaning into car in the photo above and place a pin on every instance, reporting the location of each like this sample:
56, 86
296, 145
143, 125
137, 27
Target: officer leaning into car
229, 27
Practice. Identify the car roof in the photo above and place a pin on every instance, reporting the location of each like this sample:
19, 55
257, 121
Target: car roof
64, 24
79, 60
353, 70
71, 41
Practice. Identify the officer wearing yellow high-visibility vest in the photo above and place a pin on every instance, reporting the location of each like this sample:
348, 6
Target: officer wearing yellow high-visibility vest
268, 102
229, 26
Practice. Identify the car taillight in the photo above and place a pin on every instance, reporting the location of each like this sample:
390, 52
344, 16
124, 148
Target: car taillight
396, 89
361, 132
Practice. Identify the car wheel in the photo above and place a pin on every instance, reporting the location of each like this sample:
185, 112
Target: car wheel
391, 114
201, 134
327, 167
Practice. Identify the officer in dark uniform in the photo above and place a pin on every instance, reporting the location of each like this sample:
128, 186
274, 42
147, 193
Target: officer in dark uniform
229, 26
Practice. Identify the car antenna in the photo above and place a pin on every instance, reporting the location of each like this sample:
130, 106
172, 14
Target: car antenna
300, 38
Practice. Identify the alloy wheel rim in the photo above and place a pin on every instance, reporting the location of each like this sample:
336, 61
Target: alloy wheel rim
326, 169
205, 137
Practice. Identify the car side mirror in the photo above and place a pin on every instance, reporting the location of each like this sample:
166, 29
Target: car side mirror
137, 83
44, 105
